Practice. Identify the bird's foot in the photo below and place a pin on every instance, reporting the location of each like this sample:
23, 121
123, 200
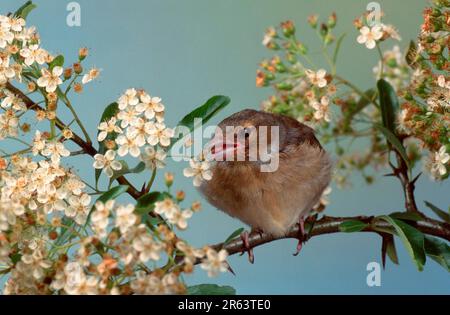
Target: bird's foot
301, 235
247, 248
257, 230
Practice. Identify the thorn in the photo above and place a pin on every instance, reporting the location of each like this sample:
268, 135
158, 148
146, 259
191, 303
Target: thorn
413, 182
390, 174
230, 269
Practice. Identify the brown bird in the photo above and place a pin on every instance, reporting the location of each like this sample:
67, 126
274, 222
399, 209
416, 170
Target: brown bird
275, 199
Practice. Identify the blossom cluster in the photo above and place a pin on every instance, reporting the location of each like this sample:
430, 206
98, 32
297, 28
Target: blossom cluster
425, 111
137, 129
55, 238
338, 110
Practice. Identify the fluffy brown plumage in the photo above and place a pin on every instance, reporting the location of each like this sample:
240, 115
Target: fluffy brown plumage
269, 201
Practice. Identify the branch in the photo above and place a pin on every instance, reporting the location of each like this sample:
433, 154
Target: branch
328, 225
401, 172
86, 146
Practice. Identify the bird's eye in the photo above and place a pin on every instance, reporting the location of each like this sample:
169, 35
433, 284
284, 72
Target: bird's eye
247, 132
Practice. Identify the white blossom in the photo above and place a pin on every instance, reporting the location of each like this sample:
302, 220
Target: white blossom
199, 170
107, 162
125, 218
50, 79
317, 78
153, 158
215, 262
369, 36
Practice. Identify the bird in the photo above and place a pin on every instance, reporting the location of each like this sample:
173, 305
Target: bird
273, 201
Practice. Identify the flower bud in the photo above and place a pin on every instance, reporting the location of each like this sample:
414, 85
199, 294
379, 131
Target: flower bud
358, 23
180, 195
67, 133
110, 144
51, 115
312, 20
3, 164
260, 78
291, 58
196, 206
49, 58
13, 49
83, 53
78, 88
56, 222
168, 179
288, 28
51, 106
188, 268
332, 20
53, 235
328, 39
323, 30
67, 73
31, 86
77, 68
302, 49
25, 127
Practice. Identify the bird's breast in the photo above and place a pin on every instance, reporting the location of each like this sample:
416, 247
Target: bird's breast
271, 201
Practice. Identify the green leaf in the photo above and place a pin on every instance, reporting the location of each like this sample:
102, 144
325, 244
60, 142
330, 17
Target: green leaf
368, 97
233, 236
139, 168
113, 193
406, 216
338, 46
106, 196
110, 111
352, 226
438, 250
64, 234
210, 289
146, 203
388, 247
15, 258
58, 61
440, 213
205, 112
395, 142
388, 103
412, 239
392, 251
25, 9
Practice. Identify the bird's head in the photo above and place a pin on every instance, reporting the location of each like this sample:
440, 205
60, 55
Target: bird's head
252, 136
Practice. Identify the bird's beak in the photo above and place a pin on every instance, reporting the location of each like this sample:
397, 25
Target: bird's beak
221, 150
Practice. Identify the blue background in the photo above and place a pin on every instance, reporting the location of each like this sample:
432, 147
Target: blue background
186, 51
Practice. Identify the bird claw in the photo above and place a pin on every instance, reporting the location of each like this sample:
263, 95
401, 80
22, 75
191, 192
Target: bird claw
247, 248
301, 236
257, 230
299, 248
